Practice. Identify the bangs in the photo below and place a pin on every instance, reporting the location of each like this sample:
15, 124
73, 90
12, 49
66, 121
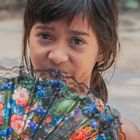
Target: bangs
96, 12
52, 10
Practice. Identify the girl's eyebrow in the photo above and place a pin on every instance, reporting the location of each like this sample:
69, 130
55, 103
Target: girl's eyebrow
76, 32
43, 27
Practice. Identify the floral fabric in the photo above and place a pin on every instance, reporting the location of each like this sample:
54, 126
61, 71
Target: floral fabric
51, 109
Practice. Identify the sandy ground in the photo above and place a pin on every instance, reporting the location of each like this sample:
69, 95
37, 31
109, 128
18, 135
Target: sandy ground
124, 88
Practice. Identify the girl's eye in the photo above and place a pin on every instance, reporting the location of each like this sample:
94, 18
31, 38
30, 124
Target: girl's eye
77, 42
45, 36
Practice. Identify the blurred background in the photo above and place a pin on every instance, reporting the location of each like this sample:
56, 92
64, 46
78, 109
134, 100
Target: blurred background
124, 87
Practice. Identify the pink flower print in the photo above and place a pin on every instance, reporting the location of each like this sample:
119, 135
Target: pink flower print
1, 120
30, 108
18, 123
21, 96
48, 120
1, 108
27, 109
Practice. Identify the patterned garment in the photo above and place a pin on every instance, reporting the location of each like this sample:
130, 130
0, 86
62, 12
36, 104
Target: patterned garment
52, 106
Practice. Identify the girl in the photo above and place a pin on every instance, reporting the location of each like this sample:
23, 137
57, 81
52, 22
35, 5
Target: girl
78, 38
74, 36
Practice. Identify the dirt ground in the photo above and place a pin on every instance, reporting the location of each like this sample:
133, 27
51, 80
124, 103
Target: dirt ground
124, 88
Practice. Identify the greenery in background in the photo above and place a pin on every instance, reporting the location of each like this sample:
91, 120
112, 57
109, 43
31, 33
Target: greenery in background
126, 5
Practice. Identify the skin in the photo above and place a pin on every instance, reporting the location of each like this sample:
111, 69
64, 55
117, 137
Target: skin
130, 129
70, 48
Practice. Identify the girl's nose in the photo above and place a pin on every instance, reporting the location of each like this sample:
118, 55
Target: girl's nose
58, 56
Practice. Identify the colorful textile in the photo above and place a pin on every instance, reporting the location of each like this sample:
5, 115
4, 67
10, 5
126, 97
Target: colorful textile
53, 106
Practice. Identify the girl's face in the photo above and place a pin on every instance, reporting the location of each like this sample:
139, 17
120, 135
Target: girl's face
68, 48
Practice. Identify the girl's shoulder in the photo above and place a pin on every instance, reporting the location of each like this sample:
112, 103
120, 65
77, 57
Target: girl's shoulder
130, 129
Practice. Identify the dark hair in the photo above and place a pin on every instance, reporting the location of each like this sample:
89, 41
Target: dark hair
102, 16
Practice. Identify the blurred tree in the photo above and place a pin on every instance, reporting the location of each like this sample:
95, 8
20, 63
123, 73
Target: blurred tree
129, 4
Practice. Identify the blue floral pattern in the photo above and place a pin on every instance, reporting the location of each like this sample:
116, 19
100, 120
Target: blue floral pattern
32, 108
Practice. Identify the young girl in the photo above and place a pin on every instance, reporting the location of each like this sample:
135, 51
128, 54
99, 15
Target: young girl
74, 36
77, 37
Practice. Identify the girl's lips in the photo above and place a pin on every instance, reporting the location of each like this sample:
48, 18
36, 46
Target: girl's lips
58, 70
52, 69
